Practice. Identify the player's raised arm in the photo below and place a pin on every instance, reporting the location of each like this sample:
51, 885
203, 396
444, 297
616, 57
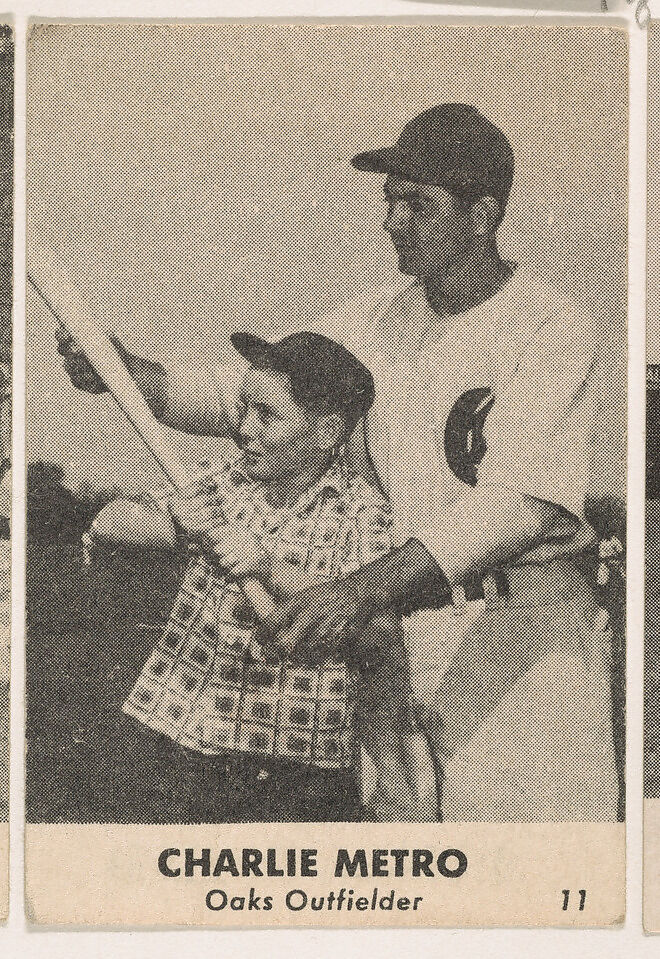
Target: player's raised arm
188, 398
528, 496
192, 399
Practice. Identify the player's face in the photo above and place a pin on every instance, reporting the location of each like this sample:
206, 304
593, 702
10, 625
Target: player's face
279, 440
429, 231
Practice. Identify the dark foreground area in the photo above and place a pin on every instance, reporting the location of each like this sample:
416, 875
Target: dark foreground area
90, 631
89, 634
652, 653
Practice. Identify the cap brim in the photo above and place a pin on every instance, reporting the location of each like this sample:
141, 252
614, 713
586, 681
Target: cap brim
385, 160
389, 160
255, 350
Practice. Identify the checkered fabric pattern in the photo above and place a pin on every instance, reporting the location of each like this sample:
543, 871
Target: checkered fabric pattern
207, 685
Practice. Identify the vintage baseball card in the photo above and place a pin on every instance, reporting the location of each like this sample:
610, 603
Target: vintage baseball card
6, 245
326, 473
652, 592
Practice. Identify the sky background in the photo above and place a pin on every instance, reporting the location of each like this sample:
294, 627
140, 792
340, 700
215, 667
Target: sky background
194, 179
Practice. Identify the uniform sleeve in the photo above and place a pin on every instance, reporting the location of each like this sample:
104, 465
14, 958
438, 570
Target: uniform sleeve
202, 399
539, 431
354, 322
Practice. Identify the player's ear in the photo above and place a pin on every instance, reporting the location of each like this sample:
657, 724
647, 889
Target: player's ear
484, 214
330, 430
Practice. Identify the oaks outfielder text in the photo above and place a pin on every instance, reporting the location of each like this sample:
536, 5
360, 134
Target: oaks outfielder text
228, 864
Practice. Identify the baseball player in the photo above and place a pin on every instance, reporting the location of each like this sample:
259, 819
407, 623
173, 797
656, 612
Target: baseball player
480, 436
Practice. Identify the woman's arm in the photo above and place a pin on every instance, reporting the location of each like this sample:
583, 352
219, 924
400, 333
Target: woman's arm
127, 524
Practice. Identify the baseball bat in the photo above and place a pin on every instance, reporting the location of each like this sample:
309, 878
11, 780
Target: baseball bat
107, 364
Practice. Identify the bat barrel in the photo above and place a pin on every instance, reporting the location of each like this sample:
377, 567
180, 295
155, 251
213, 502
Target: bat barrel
106, 362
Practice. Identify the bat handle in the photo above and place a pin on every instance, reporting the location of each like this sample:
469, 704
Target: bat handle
260, 599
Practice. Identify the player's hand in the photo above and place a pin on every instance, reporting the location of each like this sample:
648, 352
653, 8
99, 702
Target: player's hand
369, 650
197, 515
239, 552
77, 365
80, 370
319, 623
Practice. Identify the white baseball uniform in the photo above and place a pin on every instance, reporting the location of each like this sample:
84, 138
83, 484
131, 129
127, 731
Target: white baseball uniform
516, 689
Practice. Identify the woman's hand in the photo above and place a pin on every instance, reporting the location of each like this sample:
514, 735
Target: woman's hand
239, 552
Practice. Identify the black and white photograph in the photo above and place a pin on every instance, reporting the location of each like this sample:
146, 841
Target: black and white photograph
652, 549
6, 244
326, 429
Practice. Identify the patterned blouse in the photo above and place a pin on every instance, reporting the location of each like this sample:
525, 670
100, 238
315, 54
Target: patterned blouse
207, 684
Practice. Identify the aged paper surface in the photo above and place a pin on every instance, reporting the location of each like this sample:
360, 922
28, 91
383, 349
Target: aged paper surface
413, 640
4, 867
6, 243
651, 863
652, 593
111, 875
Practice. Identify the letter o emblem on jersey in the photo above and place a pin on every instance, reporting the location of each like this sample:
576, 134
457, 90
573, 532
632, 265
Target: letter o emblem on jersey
464, 433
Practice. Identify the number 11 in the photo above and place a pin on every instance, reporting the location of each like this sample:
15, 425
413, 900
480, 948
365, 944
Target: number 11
566, 894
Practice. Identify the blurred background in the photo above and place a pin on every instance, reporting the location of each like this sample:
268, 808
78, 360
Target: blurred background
194, 179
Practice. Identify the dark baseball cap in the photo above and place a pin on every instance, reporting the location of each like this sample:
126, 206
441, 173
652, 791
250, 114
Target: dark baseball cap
325, 377
453, 146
